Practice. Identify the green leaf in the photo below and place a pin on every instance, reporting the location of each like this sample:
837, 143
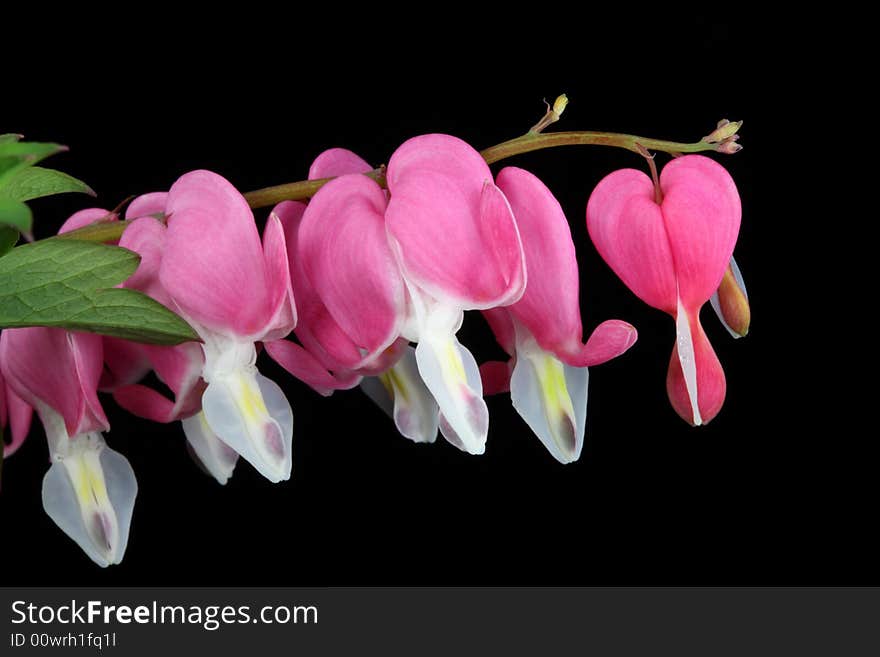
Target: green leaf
134, 316
10, 137
8, 238
18, 155
63, 284
32, 151
16, 214
37, 182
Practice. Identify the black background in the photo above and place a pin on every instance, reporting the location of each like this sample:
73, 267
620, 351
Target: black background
771, 492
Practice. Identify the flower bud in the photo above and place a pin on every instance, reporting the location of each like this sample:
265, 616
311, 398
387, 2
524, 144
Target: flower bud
724, 131
731, 302
560, 104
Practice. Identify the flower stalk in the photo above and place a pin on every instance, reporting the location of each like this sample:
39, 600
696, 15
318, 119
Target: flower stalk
722, 140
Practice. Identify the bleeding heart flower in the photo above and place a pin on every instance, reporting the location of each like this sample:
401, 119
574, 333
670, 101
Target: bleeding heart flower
406, 268
208, 265
178, 367
90, 489
543, 330
338, 355
673, 254
458, 248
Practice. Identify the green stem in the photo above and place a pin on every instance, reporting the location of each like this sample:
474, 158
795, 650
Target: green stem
531, 141
298, 191
102, 231
538, 141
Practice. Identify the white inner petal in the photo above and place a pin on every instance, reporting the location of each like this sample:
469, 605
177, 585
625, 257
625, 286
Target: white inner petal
447, 369
551, 397
251, 415
401, 392
685, 345
451, 374
246, 410
89, 492
215, 456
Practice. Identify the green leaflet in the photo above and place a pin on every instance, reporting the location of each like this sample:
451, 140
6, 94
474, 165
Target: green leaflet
8, 238
69, 284
16, 214
18, 155
37, 182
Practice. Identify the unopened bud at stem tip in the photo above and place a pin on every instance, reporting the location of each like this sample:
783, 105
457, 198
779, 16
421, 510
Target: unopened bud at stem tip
725, 130
729, 147
560, 104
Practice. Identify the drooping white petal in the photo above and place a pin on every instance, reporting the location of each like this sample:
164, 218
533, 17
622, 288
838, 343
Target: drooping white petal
246, 410
453, 377
251, 415
447, 369
685, 344
89, 492
215, 456
551, 397
402, 394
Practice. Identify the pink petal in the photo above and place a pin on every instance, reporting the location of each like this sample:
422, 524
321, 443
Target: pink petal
147, 237
59, 369
710, 381
86, 217
550, 307
17, 413
681, 250
213, 265
3, 393
495, 375
345, 256
124, 363
443, 201
145, 402
610, 339
308, 369
500, 232
628, 230
180, 368
318, 332
337, 162
439, 155
278, 277
316, 329
20, 415
147, 204
321, 336
701, 208
88, 358
177, 367
385, 359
